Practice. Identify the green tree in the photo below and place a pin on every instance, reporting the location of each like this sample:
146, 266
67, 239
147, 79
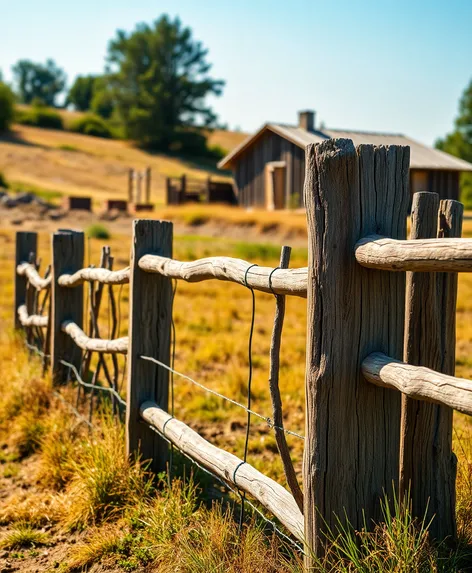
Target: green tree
160, 79
38, 81
7, 107
81, 92
459, 142
103, 100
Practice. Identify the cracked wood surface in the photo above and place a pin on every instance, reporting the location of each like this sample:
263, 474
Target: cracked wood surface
100, 275
116, 346
284, 281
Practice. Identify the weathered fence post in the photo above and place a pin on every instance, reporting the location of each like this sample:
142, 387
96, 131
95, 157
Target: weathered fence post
130, 184
26, 243
66, 303
149, 335
183, 189
148, 184
427, 464
352, 429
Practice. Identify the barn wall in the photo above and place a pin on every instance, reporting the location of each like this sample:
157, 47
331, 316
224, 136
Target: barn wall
249, 171
444, 183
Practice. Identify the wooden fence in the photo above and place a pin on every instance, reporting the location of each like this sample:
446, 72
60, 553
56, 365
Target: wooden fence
380, 385
180, 190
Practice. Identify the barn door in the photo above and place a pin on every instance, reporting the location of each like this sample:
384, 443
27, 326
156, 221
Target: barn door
275, 185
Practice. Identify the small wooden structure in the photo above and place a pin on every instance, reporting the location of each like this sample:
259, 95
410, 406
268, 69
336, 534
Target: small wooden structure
269, 166
180, 190
139, 186
72, 203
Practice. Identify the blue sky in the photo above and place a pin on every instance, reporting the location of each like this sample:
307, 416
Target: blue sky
384, 65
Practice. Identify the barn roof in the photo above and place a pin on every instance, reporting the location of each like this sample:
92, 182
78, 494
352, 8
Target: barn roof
421, 156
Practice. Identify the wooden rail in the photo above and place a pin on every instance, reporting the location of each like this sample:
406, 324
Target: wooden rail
116, 346
100, 275
420, 255
228, 467
419, 382
31, 319
284, 281
29, 271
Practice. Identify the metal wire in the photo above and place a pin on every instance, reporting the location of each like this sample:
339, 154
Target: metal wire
93, 386
222, 396
226, 485
36, 350
73, 409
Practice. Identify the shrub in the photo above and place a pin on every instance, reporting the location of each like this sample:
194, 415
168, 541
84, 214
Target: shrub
3, 181
91, 124
40, 116
98, 231
7, 107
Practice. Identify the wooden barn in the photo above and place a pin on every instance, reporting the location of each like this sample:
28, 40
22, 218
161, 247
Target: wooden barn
269, 166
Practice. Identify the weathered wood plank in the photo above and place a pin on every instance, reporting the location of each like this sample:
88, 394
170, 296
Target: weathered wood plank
31, 319
26, 243
284, 281
100, 275
426, 255
352, 432
419, 382
66, 303
149, 335
106, 346
228, 467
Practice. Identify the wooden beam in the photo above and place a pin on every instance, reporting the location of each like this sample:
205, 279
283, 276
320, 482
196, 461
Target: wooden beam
284, 281
149, 335
419, 382
31, 319
29, 271
103, 345
227, 467
446, 255
352, 431
100, 275
26, 243
66, 303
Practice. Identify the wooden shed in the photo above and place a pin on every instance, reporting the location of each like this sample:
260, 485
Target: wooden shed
269, 166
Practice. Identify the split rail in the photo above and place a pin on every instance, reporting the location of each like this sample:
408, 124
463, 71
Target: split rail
380, 386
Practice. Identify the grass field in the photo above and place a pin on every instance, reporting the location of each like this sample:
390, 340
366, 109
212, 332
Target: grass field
212, 327
75, 164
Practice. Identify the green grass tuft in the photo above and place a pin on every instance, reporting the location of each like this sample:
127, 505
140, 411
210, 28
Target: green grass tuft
23, 535
98, 231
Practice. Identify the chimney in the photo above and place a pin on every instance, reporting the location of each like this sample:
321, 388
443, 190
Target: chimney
306, 120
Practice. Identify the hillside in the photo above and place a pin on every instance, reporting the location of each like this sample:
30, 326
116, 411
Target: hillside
75, 164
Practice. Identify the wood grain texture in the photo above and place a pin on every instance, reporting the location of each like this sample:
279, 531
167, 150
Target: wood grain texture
352, 429
277, 410
100, 275
26, 243
66, 303
149, 335
284, 281
31, 319
427, 255
426, 463
228, 467
419, 382
103, 345
29, 271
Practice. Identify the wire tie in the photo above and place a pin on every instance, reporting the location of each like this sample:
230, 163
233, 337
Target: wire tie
245, 275
270, 280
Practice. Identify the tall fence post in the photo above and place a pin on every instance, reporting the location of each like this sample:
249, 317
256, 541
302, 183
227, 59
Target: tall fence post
130, 184
427, 464
352, 428
26, 243
148, 184
66, 303
149, 335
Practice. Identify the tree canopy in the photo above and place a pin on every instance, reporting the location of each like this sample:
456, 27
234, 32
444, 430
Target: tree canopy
7, 107
160, 80
38, 82
459, 141
81, 92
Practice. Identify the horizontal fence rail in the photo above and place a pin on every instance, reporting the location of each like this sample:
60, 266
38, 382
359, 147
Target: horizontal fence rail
103, 345
31, 319
265, 279
100, 275
419, 255
29, 271
419, 382
228, 467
